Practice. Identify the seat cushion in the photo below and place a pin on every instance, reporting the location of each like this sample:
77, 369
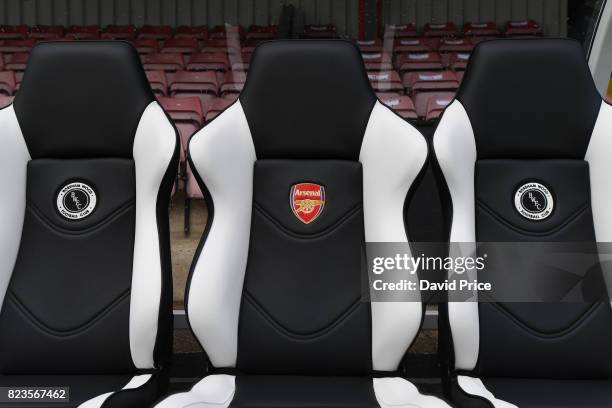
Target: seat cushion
142, 390
541, 393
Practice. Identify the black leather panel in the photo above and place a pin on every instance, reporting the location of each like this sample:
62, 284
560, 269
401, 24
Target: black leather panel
67, 305
302, 309
82, 387
324, 78
303, 392
530, 393
510, 92
558, 340
82, 99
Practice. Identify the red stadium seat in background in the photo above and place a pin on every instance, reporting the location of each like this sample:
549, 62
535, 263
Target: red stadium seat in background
17, 61
7, 83
152, 32
203, 85
258, 33
146, 46
185, 46
225, 45
419, 62
13, 32
13, 46
199, 33
232, 83
457, 61
46, 32
243, 63
401, 104
385, 81
483, 29
204, 61
119, 32
163, 62
5, 101
319, 31
400, 31
436, 105
413, 45
428, 81
83, 32
380, 61
369, 46
528, 28
158, 82
455, 45
422, 99
448, 29
217, 106
226, 31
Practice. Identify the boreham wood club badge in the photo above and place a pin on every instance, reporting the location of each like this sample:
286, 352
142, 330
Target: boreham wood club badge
534, 201
76, 200
307, 201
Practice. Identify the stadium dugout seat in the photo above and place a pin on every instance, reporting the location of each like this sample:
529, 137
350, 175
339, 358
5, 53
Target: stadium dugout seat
422, 101
448, 29
488, 147
400, 31
14, 46
83, 32
386, 81
279, 143
146, 46
321, 31
163, 62
412, 45
17, 61
153, 32
11, 32
119, 32
199, 33
379, 61
5, 101
447, 45
528, 28
484, 29
85, 271
428, 81
232, 83
457, 61
46, 32
400, 104
188, 117
158, 82
419, 62
7, 83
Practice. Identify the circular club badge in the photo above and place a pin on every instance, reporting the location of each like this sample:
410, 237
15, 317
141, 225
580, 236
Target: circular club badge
534, 201
76, 200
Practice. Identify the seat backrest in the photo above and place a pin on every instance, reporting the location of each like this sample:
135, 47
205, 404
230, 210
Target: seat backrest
296, 183
85, 281
527, 112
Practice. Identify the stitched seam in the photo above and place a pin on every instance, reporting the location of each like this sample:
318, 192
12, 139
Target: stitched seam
111, 217
506, 223
22, 308
342, 220
296, 336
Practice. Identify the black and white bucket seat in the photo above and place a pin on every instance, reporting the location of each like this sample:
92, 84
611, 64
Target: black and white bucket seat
528, 112
85, 280
300, 172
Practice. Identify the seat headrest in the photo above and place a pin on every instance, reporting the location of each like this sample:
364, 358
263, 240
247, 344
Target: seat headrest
529, 98
82, 99
307, 99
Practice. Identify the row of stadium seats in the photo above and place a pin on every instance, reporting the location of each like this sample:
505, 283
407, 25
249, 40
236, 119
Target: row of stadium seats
415, 82
474, 29
416, 61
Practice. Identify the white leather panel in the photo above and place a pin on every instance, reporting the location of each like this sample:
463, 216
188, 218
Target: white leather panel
600, 172
154, 146
392, 155
223, 155
14, 157
474, 386
395, 392
455, 150
135, 382
214, 391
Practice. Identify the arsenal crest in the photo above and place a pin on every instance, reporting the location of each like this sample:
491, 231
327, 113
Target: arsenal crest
307, 201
